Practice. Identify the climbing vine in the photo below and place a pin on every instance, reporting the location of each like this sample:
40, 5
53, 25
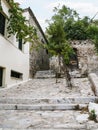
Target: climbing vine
18, 25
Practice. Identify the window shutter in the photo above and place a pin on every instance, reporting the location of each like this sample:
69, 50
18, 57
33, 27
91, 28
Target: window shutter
2, 24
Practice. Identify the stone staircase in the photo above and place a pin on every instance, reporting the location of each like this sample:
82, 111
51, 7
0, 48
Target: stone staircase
73, 103
45, 74
55, 113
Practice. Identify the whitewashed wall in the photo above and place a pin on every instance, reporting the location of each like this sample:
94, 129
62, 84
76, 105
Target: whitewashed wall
11, 58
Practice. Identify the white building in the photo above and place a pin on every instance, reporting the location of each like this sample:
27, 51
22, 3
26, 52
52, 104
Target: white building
14, 56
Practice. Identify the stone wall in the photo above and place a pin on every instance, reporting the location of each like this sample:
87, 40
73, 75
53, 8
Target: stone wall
87, 57
39, 60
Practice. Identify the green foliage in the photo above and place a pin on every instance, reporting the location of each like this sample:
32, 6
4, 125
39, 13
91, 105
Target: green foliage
92, 115
93, 33
57, 36
75, 28
66, 13
17, 24
66, 52
58, 45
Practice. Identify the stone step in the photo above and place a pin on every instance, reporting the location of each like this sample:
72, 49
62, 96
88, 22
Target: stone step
73, 100
42, 107
48, 129
58, 128
44, 120
55, 127
42, 129
67, 126
45, 74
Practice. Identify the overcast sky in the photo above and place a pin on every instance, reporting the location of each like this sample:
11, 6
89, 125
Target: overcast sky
43, 9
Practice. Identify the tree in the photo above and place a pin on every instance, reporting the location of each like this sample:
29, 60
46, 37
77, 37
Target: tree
18, 25
58, 45
66, 25
93, 33
74, 26
77, 30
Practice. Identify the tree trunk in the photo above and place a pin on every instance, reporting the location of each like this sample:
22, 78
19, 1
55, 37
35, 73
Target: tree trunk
66, 72
67, 75
58, 72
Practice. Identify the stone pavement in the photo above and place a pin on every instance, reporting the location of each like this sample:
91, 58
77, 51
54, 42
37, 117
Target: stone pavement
43, 104
58, 120
47, 88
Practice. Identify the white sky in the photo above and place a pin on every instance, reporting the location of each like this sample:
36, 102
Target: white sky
43, 8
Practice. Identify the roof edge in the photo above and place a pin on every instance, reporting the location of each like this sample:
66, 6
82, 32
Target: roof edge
36, 21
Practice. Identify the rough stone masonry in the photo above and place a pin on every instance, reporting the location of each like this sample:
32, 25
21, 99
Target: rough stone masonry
86, 55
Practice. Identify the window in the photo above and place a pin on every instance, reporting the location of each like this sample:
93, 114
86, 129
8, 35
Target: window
46, 51
2, 24
20, 44
15, 74
1, 76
